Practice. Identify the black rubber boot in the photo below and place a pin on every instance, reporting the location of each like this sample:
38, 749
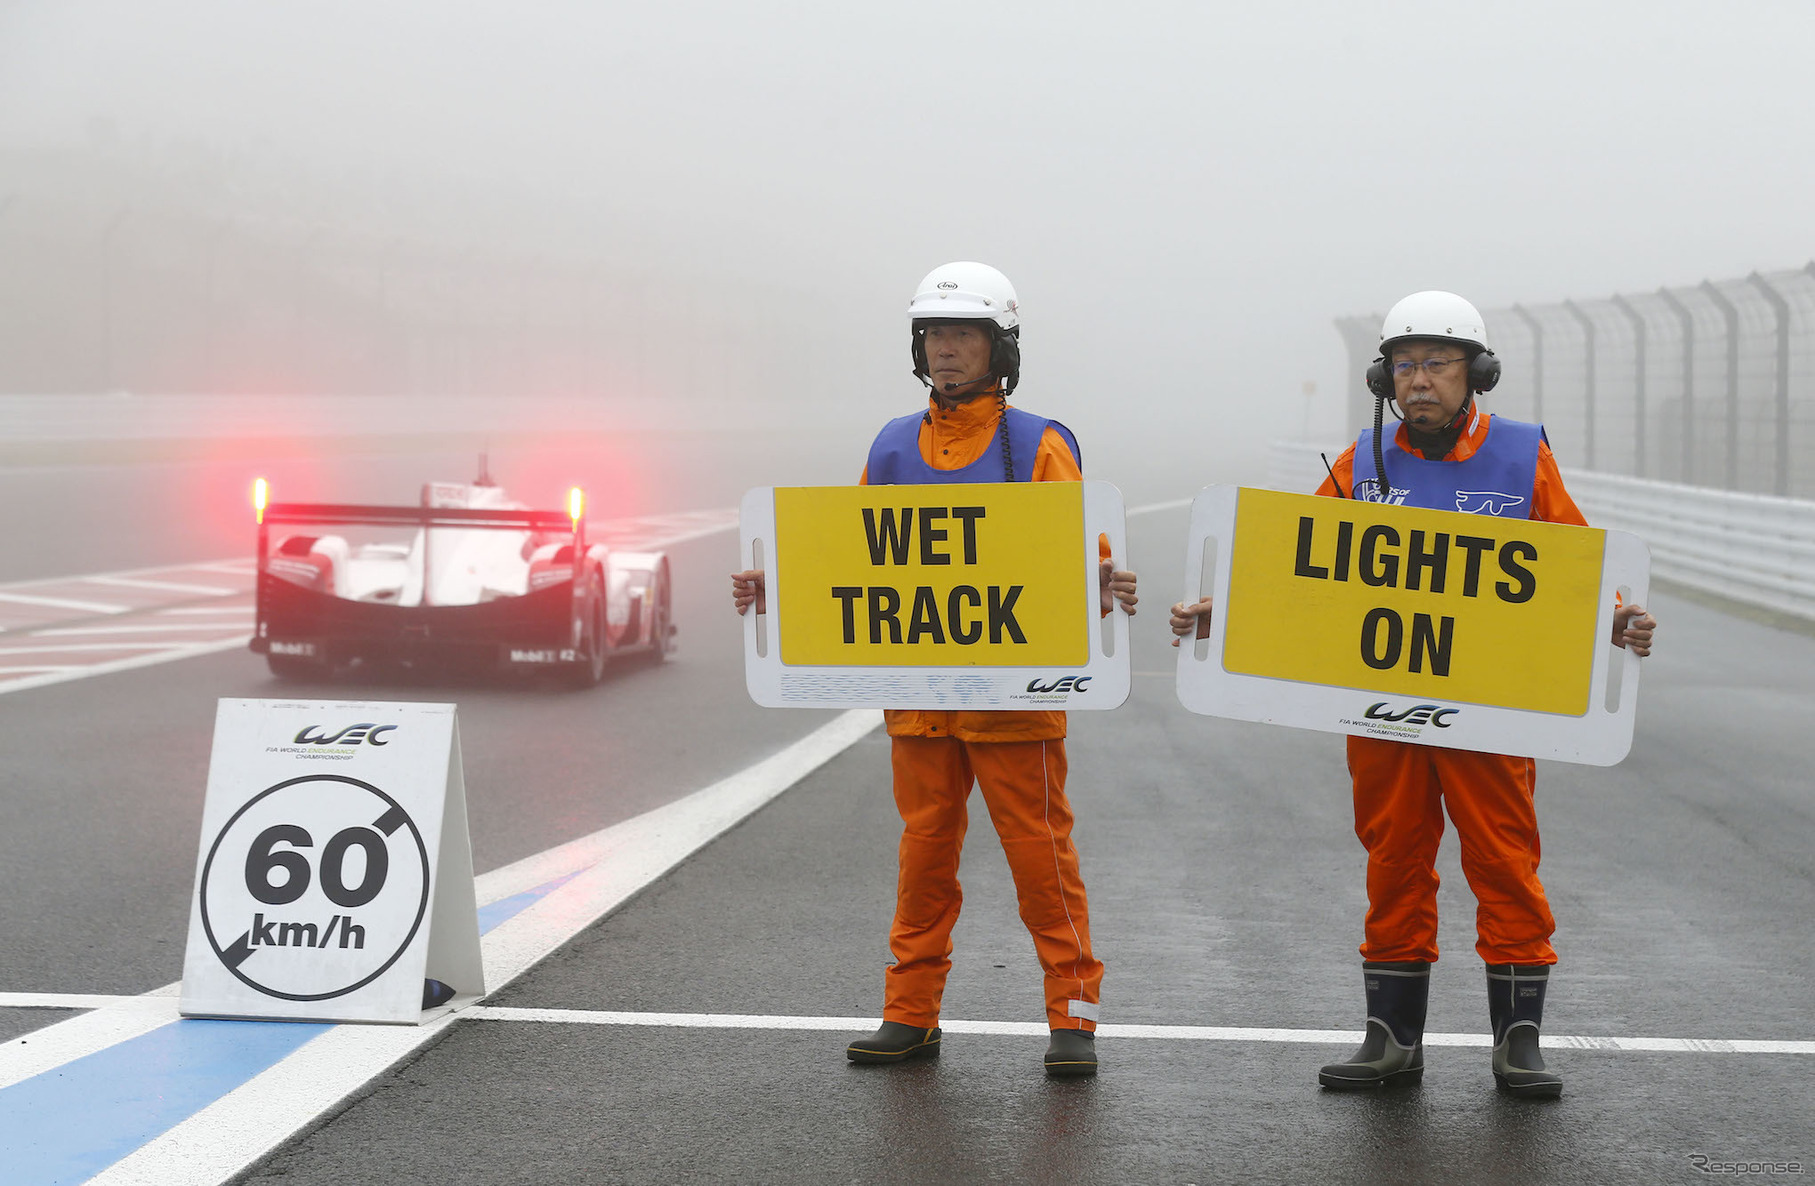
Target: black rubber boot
1515, 1001
895, 1042
1392, 1053
1071, 1052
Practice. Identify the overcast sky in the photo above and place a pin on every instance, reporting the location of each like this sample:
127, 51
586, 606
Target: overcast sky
1185, 195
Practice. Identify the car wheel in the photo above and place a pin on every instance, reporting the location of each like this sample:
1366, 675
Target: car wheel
593, 647
660, 619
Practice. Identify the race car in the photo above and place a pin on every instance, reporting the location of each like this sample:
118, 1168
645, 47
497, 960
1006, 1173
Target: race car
481, 582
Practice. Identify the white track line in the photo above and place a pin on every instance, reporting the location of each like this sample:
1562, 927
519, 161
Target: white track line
227, 1136
166, 655
204, 566
72, 647
89, 607
209, 609
160, 628
161, 586
1188, 1033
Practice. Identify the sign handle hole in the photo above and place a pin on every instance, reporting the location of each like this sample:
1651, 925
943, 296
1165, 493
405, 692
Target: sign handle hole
1616, 661
762, 619
1206, 585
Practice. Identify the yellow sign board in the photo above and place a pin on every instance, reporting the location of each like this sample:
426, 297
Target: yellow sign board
933, 576
1413, 602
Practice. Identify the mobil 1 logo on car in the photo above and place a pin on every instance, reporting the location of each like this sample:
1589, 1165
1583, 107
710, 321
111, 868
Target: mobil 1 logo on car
334, 875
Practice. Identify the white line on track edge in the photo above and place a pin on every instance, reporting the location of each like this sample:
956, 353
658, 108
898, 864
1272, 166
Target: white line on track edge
1190, 1033
1187, 1033
243, 1126
146, 660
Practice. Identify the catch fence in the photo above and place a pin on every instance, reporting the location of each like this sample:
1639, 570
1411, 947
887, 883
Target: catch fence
1711, 385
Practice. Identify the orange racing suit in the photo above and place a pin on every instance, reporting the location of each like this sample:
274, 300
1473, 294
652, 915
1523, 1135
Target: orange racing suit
1401, 790
1017, 760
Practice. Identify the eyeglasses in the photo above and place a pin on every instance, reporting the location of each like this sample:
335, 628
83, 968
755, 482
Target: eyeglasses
1432, 366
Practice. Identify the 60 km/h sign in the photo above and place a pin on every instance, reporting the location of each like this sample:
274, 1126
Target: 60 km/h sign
980, 596
301, 905
334, 873
1435, 627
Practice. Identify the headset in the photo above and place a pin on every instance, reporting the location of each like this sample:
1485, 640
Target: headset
1483, 374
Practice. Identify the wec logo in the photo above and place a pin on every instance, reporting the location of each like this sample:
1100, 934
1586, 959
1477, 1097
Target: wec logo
351, 735
1418, 714
1065, 683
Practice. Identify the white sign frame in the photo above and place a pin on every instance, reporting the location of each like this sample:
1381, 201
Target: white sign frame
1106, 676
1599, 737
326, 767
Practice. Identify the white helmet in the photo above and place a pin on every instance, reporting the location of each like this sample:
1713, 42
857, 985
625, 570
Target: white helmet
1434, 314
966, 291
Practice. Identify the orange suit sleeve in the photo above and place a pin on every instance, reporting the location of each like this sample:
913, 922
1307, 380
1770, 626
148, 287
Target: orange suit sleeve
1550, 501
1343, 472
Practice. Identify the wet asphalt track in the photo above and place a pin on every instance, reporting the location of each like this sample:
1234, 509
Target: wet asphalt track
1225, 886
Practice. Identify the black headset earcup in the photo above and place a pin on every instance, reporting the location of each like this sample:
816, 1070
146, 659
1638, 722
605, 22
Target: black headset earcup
1379, 382
917, 351
1483, 371
1005, 357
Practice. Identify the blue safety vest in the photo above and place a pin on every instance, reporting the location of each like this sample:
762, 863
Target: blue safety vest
1497, 479
895, 456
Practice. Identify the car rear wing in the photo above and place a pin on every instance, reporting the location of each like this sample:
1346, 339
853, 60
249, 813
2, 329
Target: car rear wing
301, 514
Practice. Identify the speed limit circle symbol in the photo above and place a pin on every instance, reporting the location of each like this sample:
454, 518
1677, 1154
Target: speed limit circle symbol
318, 884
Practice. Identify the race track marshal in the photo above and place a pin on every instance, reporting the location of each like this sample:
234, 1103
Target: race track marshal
1498, 598
929, 563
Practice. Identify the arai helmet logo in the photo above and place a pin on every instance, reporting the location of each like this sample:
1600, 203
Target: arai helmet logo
351, 735
948, 284
1418, 714
1065, 683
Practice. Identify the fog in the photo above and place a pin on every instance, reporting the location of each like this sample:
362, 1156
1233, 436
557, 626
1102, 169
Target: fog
685, 201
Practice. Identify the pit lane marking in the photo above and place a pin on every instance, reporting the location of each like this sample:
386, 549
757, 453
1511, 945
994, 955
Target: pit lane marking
87, 1090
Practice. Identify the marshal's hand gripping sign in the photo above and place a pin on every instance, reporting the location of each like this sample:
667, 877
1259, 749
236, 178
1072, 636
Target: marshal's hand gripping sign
977, 596
335, 875
1433, 627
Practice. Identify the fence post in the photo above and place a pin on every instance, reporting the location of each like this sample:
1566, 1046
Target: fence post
1536, 329
1781, 487
1638, 389
1687, 319
1588, 376
1731, 313
1361, 336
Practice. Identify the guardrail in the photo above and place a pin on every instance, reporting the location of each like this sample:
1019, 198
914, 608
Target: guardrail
1752, 548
